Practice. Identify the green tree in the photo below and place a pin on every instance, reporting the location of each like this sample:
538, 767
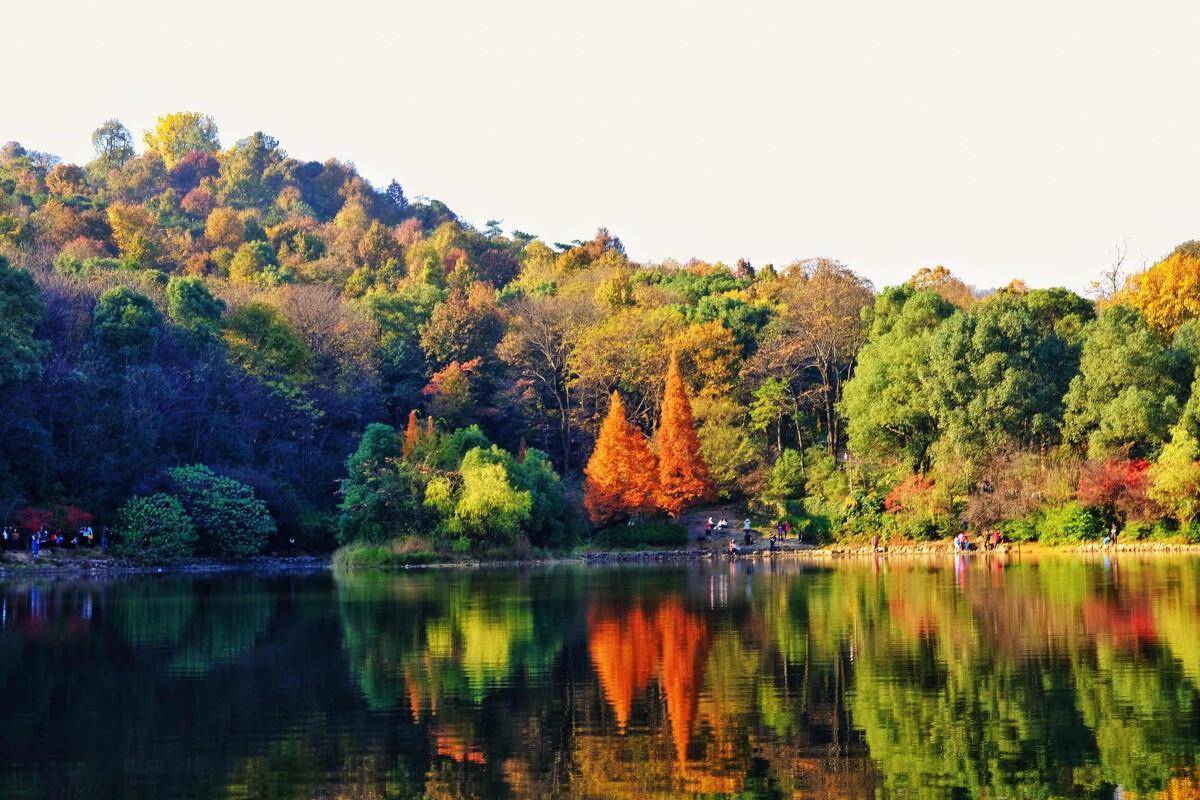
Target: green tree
230, 520
21, 309
191, 305
127, 323
382, 493
154, 529
264, 344
785, 487
996, 377
1127, 393
888, 411
113, 144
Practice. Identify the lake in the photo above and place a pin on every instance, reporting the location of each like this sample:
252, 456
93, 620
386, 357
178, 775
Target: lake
947, 678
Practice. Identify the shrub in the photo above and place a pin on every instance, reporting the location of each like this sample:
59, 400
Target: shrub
648, 535
154, 529
1070, 522
395, 554
231, 521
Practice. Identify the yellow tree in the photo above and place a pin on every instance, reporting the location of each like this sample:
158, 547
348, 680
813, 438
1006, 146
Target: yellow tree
1168, 293
176, 135
682, 473
621, 474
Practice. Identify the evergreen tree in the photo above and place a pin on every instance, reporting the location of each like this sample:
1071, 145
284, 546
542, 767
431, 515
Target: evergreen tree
682, 472
621, 475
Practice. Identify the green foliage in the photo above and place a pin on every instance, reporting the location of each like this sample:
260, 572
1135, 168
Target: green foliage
888, 409
1069, 523
232, 523
644, 536
786, 485
488, 505
127, 323
262, 342
21, 309
382, 494
997, 377
191, 305
1128, 390
364, 555
154, 529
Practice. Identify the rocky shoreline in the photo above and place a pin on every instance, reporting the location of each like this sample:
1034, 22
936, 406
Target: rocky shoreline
50, 564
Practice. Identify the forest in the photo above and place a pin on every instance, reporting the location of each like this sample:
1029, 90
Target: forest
226, 350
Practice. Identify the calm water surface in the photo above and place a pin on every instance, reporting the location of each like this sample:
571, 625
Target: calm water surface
975, 678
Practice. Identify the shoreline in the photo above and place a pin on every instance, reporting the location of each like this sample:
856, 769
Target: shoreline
283, 565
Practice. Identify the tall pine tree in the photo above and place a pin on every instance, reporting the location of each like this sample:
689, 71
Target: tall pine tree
622, 473
683, 476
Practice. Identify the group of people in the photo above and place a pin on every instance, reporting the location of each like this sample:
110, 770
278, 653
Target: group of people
12, 539
991, 541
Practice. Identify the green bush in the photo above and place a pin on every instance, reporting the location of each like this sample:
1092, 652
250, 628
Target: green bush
1069, 522
230, 520
1159, 529
154, 530
647, 535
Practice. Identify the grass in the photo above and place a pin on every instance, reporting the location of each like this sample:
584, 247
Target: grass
647, 536
400, 553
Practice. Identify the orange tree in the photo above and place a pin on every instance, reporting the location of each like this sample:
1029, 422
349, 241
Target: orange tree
682, 472
621, 476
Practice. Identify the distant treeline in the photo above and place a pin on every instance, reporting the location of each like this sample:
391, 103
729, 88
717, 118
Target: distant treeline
244, 311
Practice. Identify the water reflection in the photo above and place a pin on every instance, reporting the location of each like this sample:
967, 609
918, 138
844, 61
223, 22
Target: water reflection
968, 677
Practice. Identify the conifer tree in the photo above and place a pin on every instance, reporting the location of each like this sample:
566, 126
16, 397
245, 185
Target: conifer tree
683, 476
412, 434
622, 473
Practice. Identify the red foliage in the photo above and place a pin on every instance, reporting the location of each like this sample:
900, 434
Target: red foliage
75, 517
901, 497
32, 519
1116, 485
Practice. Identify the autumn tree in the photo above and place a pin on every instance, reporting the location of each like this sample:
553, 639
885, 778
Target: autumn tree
412, 434
683, 475
942, 281
621, 476
175, 135
1168, 293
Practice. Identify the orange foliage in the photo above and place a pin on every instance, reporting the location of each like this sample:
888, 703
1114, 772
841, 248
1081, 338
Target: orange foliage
628, 649
624, 651
412, 433
682, 473
621, 474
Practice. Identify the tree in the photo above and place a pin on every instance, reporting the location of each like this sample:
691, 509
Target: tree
1118, 486
135, 232
260, 341
887, 409
683, 475
175, 135
412, 434
21, 309
996, 376
230, 521
381, 493
113, 144
944, 283
127, 323
785, 486
814, 340
621, 475
1127, 393
191, 305
1167, 294
154, 530
1174, 479
489, 508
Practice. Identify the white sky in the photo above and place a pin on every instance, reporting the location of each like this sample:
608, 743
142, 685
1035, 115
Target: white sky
1016, 139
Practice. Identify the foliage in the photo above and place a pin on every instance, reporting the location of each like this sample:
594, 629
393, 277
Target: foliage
154, 529
786, 485
382, 493
230, 521
21, 309
126, 323
683, 477
622, 473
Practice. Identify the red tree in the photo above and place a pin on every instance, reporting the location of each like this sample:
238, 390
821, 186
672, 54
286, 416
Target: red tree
1118, 486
